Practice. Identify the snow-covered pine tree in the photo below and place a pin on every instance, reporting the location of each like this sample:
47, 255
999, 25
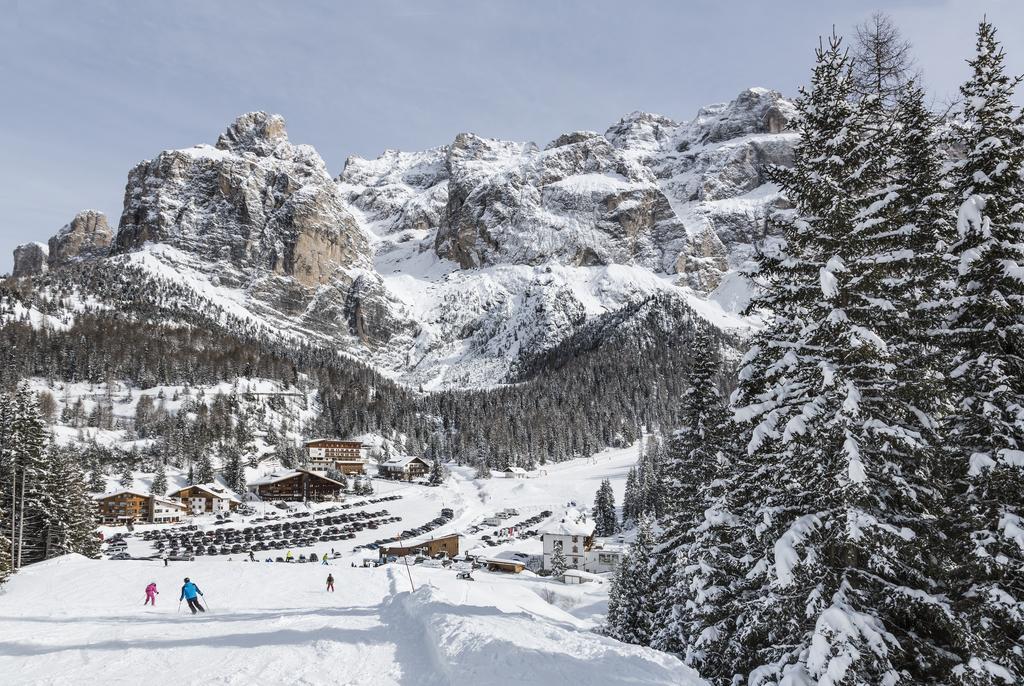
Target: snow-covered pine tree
127, 476
72, 524
5, 549
631, 498
987, 371
691, 560
31, 503
693, 450
558, 561
202, 468
631, 599
234, 469
159, 485
437, 472
836, 485
605, 519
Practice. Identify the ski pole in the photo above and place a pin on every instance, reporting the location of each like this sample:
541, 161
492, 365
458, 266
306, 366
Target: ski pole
179, 606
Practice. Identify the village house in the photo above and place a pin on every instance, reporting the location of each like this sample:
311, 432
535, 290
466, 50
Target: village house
507, 561
130, 506
166, 510
428, 547
514, 473
573, 535
603, 558
206, 498
404, 468
325, 454
297, 485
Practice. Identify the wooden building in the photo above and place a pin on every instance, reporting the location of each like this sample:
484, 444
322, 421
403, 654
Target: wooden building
510, 562
128, 505
323, 454
404, 468
296, 485
428, 547
204, 498
122, 507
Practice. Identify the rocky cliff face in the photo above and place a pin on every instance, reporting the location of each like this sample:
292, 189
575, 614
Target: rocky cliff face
30, 260
255, 201
444, 267
87, 236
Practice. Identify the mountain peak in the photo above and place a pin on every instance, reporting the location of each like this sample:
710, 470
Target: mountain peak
256, 132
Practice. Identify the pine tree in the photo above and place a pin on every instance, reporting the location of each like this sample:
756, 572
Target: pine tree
558, 561
234, 470
159, 486
691, 561
203, 468
987, 371
606, 521
437, 472
127, 477
837, 485
72, 526
631, 599
631, 499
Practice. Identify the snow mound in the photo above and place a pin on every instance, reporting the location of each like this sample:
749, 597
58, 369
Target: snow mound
497, 646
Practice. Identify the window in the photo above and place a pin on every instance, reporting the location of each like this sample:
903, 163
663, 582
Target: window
574, 538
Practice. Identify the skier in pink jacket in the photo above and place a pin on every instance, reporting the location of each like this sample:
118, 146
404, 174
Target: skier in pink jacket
151, 594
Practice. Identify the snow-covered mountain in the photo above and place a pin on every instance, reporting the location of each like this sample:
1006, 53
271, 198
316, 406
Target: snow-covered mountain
447, 267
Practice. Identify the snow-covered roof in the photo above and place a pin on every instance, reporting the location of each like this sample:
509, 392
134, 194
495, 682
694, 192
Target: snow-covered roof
572, 523
515, 470
402, 462
168, 501
423, 540
123, 491
507, 557
213, 490
275, 477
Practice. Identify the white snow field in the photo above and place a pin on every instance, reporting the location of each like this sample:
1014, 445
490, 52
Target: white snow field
81, 621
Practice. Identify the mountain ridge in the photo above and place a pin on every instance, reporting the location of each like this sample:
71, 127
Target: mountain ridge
446, 268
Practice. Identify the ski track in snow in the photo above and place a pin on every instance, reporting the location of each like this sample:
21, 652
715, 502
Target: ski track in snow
73, 620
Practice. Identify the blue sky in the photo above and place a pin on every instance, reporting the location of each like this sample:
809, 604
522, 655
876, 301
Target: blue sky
91, 88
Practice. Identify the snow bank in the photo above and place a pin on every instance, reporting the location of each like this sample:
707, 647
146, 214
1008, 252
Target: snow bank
486, 645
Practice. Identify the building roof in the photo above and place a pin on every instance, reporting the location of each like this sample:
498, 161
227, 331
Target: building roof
169, 501
514, 470
507, 557
332, 440
275, 477
423, 540
573, 523
213, 490
402, 462
123, 491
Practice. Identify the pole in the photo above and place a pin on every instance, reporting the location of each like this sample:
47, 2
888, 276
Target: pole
179, 606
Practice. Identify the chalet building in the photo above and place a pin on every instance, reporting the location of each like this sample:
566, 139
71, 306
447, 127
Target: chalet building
404, 468
509, 561
296, 485
204, 498
166, 510
324, 454
514, 473
601, 559
574, 535
129, 506
428, 547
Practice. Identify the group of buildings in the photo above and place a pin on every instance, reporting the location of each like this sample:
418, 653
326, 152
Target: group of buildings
323, 456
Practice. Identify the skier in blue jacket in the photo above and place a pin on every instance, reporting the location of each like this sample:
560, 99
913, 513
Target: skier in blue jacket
190, 592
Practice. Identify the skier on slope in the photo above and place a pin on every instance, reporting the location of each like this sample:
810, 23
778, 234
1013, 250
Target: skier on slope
189, 592
330, 583
325, 558
163, 556
151, 594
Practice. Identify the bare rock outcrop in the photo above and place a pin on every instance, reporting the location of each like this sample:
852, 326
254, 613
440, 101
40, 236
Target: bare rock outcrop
254, 201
